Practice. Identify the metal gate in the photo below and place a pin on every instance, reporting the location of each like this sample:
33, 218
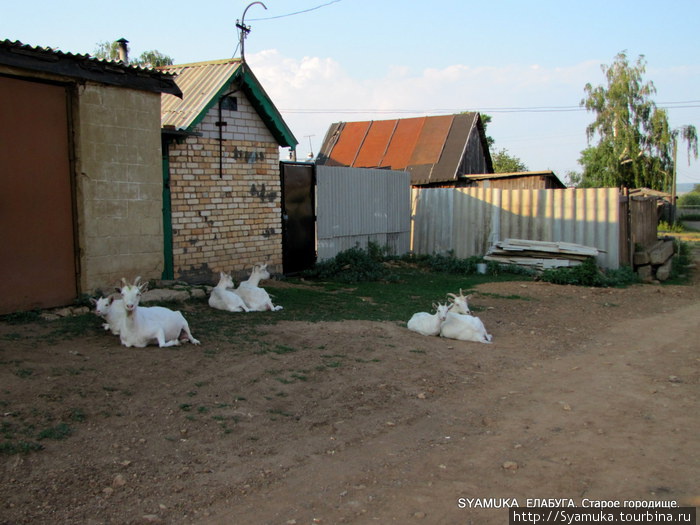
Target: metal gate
298, 217
37, 248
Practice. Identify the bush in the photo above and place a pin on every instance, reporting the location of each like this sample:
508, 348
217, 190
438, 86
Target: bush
353, 265
588, 274
689, 199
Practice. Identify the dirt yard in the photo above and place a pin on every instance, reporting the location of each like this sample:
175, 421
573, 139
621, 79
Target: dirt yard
584, 394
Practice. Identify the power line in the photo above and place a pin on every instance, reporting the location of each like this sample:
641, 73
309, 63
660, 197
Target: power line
296, 12
531, 109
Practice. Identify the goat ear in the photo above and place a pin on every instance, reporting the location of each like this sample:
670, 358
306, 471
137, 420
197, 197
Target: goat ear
93, 300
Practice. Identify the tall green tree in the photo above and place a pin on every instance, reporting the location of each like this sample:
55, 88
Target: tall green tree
635, 145
110, 51
504, 162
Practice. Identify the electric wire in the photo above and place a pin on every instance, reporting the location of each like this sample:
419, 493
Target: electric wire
296, 12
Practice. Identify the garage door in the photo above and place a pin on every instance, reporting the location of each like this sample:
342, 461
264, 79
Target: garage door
37, 248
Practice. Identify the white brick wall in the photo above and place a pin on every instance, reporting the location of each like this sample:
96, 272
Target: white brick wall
244, 124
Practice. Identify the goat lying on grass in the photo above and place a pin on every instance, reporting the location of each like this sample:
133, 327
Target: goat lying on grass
143, 325
428, 324
111, 309
256, 298
222, 298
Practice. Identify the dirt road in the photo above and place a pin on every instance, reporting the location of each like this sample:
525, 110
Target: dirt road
585, 393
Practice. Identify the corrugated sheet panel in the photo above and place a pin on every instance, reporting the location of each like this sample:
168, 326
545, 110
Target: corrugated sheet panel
349, 142
432, 140
469, 220
356, 206
200, 83
375, 144
403, 142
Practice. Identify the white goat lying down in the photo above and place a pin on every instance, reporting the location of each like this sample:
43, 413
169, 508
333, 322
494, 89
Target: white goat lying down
459, 303
143, 325
222, 298
428, 324
111, 309
464, 327
460, 324
256, 298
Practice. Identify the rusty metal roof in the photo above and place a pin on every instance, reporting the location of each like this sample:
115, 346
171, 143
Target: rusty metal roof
202, 85
430, 148
84, 67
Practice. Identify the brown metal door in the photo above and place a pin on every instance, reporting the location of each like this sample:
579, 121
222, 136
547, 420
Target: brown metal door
37, 255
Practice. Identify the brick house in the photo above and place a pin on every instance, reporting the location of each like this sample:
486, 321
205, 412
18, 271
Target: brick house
80, 175
222, 190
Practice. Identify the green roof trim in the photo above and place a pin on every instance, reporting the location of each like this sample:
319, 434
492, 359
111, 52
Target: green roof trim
203, 85
265, 108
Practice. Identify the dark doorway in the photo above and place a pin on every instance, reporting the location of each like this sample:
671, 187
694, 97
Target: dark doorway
298, 217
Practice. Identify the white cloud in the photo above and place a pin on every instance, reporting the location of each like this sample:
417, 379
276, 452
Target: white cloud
314, 92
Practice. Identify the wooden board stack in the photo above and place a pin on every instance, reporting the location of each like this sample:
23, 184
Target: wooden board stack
539, 255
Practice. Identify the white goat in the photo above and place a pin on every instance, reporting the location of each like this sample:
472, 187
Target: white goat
428, 324
111, 309
460, 324
222, 298
464, 327
257, 299
459, 303
143, 325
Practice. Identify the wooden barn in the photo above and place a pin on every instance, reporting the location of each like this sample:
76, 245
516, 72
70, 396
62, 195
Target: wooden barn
521, 180
80, 175
222, 190
436, 150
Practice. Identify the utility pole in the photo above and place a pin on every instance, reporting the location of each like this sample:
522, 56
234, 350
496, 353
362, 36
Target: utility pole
240, 24
673, 181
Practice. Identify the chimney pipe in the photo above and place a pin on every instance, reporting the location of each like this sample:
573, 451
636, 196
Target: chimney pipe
123, 51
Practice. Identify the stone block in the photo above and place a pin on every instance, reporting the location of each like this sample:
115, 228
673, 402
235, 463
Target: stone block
661, 252
664, 271
646, 273
641, 258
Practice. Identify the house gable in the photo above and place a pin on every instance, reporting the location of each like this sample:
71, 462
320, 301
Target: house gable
205, 83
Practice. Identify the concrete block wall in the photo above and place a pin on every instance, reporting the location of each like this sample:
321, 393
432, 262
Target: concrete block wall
228, 219
119, 185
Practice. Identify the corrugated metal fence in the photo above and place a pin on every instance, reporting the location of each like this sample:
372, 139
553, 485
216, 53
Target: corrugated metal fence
355, 206
469, 220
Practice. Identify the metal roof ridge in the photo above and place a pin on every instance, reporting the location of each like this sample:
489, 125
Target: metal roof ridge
223, 61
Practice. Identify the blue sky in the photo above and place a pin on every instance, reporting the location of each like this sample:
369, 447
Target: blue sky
523, 63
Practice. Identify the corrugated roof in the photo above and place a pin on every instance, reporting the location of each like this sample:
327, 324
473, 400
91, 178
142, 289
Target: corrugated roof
203, 83
430, 148
84, 67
